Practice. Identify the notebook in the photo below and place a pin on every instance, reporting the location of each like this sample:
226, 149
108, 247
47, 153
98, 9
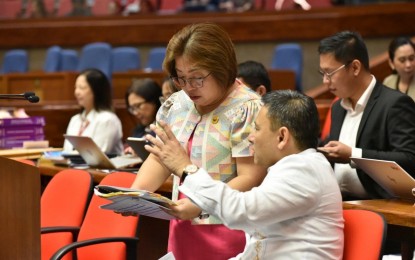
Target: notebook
95, 157
390, 176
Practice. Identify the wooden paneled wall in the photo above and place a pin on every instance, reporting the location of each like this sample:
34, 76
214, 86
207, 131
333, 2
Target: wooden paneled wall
381, 20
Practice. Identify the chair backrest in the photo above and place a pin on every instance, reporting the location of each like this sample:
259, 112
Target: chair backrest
155, 59
70, 60
64, 203
15, 61
289, 56
364, 234
105, 223
125, 59
53, 59
97, 55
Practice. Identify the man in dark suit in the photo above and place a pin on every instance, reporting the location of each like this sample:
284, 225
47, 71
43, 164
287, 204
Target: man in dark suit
369, 120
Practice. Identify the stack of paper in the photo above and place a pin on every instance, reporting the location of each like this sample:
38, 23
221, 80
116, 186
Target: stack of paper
139, 202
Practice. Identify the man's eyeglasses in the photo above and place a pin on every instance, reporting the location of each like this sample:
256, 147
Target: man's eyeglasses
330, 74
193, 82
134, 108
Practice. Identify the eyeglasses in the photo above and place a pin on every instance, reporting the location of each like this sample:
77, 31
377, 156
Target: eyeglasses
329, 75
193, 82
134, 108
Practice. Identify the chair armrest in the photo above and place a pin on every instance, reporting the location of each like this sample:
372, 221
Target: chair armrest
130, 242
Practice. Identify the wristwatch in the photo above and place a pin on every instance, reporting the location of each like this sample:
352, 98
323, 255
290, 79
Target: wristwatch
189, 169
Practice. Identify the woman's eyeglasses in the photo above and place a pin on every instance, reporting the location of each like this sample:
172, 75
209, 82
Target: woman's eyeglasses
134, 108
193, 82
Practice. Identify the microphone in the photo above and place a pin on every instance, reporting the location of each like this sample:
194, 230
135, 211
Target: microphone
33, 99
30, 96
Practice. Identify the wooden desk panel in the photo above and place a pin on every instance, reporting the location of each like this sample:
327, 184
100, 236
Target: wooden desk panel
20, 210
47, 86
396, 212
59, 86
282, 79
121, 81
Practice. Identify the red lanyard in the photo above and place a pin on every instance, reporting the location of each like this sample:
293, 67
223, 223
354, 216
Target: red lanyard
84, 125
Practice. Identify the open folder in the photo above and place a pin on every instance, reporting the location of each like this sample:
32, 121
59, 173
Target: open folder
125, 200
390, 176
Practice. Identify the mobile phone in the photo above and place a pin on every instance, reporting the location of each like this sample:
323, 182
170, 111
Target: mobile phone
137, 144
322, 151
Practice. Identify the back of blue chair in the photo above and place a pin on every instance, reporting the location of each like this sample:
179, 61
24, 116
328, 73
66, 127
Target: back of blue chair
15, 61
69, 60
97, 55
289, 56
125, 59
155, 59
53, 59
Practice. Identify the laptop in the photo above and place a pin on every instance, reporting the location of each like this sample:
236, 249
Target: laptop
390, 176
95, 157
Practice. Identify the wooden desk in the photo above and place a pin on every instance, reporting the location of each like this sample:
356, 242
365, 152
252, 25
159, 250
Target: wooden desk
26, 153
396, 212
47, 168
400, 216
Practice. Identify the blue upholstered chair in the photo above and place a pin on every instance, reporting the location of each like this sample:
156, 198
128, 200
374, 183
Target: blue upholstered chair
70, 60
53, 59
155, 59
125, 59
16, 60
289, 56
97, 55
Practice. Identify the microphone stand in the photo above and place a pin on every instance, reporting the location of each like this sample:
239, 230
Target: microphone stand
29, 96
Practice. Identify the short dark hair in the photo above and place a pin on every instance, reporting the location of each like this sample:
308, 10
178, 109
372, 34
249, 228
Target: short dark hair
101, 88
346, 47
254, 74
146, 88
209, 46
295, 111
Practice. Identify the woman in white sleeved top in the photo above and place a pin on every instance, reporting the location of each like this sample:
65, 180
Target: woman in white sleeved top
96, 119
